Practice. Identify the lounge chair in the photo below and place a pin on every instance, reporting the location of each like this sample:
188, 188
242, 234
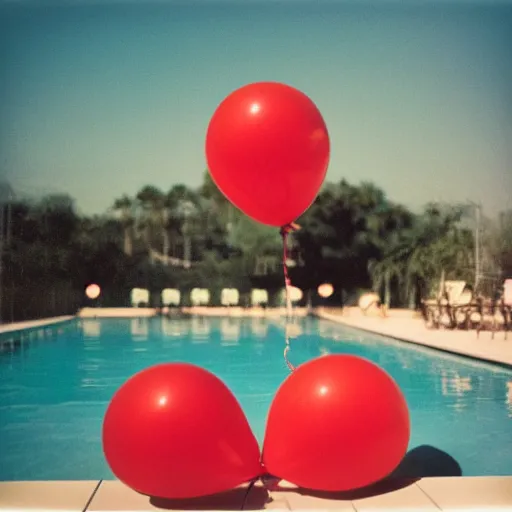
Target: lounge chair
229, 297
139, 297
494, 316
200, 297
507, 292
259, 298
462, 309
171, 297
456, 304
370, 302
452, 308
507, 304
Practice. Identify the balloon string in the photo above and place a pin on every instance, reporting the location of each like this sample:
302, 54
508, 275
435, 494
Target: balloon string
285, 230
247, 491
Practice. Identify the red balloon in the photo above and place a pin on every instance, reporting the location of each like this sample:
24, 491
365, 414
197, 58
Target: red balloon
267, 149
337, 423
176, 431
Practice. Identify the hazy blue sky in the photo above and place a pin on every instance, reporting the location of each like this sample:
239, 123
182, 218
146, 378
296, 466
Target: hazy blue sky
98, 100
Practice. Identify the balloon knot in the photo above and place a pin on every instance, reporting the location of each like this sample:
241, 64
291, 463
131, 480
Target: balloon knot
270, 482
289, 228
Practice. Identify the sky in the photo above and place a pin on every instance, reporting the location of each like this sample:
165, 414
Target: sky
99, 99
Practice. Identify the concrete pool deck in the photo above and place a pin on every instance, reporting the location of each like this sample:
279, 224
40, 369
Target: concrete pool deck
425, 494
413, 330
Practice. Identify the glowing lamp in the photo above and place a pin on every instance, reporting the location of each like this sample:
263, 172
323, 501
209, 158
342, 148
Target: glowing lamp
93, 291
295, 294
325, 290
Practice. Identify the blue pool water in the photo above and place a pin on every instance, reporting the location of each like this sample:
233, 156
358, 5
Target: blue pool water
56, 384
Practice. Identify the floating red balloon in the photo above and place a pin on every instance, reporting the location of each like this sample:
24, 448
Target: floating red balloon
267, 149
176, 431
337, 423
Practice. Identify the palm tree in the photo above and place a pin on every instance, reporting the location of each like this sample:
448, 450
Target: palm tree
152, 203
418, 254
382, 273
441, 247
124, 208
184, 208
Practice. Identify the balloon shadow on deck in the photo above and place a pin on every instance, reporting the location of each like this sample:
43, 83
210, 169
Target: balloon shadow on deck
420, 462
230, 500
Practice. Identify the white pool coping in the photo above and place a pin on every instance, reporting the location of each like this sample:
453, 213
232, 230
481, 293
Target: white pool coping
129, 312
413, 330
426, 494
195, 310
31, 324
116, 312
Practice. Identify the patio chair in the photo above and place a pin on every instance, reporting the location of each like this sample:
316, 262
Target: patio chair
500, 317
451, 308
139, 297
507, 304
445, 318
455, 303
171, 297
495, 314
259, 297
431, 313
460, 307
370, 302
229, 297
489, 316
200, 297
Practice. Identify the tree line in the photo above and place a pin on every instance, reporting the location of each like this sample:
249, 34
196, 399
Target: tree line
353, 236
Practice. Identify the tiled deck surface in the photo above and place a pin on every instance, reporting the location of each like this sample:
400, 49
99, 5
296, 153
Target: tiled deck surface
497, 350
428, 494
44, 322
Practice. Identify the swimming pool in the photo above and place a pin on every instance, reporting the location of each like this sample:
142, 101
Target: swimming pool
56, 384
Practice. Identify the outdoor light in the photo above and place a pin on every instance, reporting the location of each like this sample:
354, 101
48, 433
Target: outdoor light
93, 291
325, 290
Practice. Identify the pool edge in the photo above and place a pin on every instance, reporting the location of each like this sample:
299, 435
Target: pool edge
474, 357
427, 494
35, 324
